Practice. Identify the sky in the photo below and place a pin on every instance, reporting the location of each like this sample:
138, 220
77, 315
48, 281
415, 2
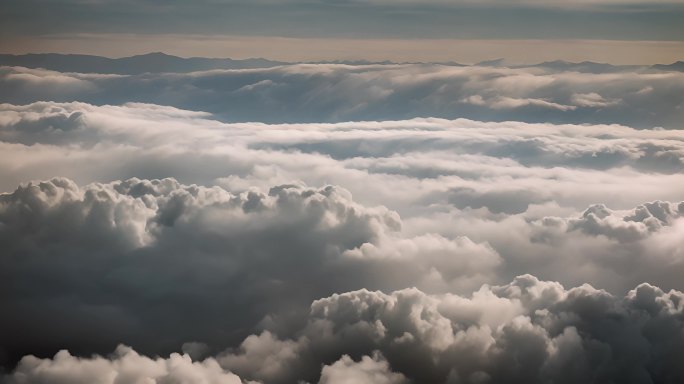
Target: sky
615, 31
378, 206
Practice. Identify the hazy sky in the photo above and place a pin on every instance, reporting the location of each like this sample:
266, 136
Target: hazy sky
621, 31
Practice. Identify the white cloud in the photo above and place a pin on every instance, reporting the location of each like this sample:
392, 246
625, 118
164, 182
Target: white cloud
499, 102
593, 100
123, 366
119, 259
366, 371
637, 224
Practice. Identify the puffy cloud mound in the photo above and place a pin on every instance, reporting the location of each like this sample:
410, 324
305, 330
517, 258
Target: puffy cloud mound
123, 367
528, 331
637, 224
368, 370
154, 263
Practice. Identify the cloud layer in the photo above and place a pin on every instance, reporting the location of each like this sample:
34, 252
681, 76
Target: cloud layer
422, 249
529, 192
333, 93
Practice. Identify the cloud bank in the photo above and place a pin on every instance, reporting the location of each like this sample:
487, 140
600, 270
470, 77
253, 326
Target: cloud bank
529, 192
118, 261
335, 92
145, 261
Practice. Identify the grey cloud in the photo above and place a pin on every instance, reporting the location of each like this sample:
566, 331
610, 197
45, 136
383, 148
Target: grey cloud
333, 93
595, 147
499, 201
113, 256
146, 262
527, 330
165, 265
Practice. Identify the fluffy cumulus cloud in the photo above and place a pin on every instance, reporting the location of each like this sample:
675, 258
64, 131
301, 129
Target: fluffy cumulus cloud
335, 92
368, 370
639, 223
145, 261
124, 366
525, 331
157, 263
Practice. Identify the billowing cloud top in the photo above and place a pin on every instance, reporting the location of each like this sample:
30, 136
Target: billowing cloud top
527, 330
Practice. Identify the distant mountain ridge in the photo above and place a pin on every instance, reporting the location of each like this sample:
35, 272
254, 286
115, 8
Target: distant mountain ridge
676, 66
160, 62
562, 65
585, 66
134, 65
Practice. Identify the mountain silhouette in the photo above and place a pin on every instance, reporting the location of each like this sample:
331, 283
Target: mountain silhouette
151, 62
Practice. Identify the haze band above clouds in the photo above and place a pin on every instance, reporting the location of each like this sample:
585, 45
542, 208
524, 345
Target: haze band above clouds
614, 31
643, 51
